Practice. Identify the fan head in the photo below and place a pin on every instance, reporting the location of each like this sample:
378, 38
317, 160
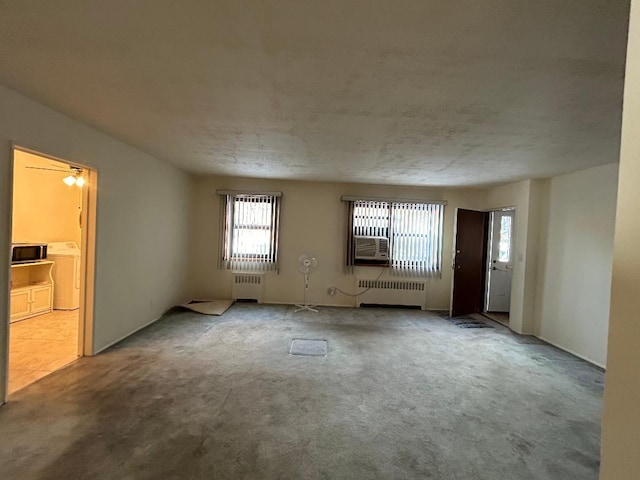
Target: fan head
307, 263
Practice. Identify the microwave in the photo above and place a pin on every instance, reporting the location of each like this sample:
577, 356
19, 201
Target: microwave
28, 252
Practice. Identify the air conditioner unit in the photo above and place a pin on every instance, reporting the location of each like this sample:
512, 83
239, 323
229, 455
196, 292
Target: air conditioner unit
371, 248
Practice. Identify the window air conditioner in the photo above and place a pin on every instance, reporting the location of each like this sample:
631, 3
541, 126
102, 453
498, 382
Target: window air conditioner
371, 248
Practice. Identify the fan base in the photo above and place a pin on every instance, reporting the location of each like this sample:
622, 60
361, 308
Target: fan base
305, 307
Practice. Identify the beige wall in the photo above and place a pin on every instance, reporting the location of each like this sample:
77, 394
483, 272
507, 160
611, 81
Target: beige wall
142, 219
45, 209
621, 418
575, 257
312, 219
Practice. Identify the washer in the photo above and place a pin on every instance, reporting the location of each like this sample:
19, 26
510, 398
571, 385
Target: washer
66, 275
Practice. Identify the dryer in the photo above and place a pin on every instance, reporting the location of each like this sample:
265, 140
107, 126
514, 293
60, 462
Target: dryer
66, 275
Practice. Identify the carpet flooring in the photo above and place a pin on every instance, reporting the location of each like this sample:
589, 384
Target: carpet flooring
401, 394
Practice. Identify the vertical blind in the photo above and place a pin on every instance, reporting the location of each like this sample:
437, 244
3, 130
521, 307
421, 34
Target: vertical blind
414, 231
250, 232
416, 239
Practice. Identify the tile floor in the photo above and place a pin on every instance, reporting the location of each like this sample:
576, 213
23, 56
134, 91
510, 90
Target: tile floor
41, 345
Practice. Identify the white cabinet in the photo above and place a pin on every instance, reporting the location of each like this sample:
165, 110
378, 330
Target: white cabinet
31, 289
20, 303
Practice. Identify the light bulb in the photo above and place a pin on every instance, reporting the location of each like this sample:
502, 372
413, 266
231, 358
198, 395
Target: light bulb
70, 180
79, 181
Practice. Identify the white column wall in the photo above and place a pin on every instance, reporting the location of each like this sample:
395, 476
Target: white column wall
142, 219
621, 418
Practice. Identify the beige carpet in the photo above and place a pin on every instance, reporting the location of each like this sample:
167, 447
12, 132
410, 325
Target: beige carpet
208, 307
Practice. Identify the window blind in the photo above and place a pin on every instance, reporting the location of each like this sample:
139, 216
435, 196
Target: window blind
416, 240
250, 232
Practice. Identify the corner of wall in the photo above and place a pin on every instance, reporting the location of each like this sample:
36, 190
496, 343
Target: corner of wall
543, 231
534, 217
6, 167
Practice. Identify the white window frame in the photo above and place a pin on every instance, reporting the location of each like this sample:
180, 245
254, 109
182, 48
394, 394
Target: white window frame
232, 257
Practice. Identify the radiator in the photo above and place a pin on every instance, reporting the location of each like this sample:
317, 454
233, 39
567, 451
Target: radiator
392, 292
248, 286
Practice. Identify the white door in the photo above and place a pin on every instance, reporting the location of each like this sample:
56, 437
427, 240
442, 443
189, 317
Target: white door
500, 261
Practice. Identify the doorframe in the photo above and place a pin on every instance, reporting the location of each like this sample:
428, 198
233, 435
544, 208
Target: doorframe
88, 222
485, 303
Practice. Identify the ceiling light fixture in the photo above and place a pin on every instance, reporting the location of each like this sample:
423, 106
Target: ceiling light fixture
75, 178
70, 180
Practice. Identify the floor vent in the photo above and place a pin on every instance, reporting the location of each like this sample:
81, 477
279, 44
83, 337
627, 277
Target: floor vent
248, 286
308, 348
391, 292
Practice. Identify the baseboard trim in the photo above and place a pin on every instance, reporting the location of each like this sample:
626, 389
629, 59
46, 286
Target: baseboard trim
314, 304
430, 309
127, 335
568, 350
561, 347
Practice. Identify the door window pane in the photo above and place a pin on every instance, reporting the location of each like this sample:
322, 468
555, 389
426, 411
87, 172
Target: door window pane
504, 247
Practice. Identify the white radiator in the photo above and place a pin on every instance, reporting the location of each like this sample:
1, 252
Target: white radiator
392, 292
248, 286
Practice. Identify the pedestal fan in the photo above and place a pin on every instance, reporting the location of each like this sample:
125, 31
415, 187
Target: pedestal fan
307, 264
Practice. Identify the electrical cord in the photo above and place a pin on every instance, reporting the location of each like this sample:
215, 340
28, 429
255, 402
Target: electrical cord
365, 290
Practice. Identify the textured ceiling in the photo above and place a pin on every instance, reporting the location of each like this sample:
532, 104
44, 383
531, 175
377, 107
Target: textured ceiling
424, 92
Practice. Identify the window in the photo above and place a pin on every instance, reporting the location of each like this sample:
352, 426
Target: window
504, 247
371, 219
406, 236
250, 231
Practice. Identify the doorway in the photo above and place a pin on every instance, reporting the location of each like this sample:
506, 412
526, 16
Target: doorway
483, 263
53, 211
499, 267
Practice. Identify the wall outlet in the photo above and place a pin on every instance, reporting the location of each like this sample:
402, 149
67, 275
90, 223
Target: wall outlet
331, 291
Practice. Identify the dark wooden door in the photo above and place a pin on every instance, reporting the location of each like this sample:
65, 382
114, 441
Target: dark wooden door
469, 264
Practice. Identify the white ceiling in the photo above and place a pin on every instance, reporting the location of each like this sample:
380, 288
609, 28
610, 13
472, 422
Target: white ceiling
422, 92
